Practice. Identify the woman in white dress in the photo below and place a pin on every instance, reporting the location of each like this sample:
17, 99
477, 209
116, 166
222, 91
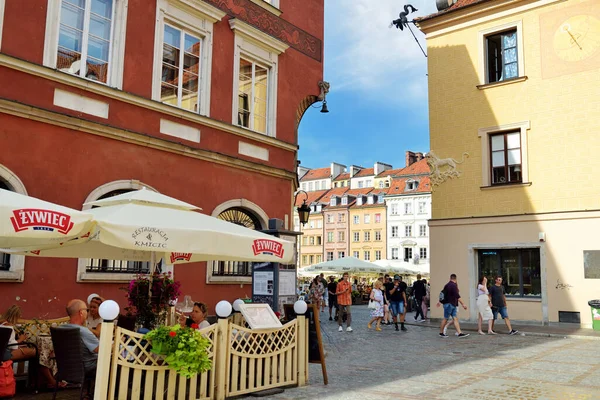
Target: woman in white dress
484, 306
376, 313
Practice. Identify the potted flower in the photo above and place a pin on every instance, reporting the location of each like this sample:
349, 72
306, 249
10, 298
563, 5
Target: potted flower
150, 297
185, 349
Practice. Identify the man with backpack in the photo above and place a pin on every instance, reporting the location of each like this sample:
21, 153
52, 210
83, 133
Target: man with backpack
450, 297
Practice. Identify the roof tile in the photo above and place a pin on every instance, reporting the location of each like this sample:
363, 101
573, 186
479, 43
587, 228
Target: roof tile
319, 173
312, 197
398, 186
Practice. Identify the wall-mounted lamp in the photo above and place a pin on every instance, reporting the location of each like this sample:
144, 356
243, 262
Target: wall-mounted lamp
304, 209
324, 86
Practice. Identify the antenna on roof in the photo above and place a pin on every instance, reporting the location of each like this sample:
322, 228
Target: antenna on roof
403, 22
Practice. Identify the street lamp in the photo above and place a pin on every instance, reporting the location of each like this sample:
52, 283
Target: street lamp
304, 209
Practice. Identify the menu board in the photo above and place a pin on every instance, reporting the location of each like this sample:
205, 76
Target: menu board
287, 283
263, 283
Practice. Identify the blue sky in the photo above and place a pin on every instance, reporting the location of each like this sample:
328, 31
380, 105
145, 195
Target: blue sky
378, 96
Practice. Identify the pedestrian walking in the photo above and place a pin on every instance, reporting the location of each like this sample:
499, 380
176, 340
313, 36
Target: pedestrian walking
377, 313
450, 297
387, 286
316, 292
419, 291
331, 289
397, 299
344, 300
425, 303
499, 305
325, 301
484, 304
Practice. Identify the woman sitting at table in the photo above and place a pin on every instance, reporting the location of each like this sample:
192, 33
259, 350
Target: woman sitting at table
94, 322
17, 348
197, 318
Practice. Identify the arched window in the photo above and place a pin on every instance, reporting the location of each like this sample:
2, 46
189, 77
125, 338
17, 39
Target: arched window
111, 270
243, 217
12, 267
241, 212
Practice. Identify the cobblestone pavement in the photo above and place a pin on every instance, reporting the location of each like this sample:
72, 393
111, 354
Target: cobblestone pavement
420, 365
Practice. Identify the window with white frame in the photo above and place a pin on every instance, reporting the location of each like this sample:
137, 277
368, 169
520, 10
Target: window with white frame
367, 236
255, 77
394, 231
329, 218
371, 200
304, 260
506, 158
377, 255
329, 237
86, 38
394, 253
380, 199
422, 230
394, 208
381, 184
329, 255
312, 241
359, 200
318, 185
304, 186
341, 236
345, 200
333, 201
356, 219
423, 252
319, 223
407, 208
319, 258
367, 255
422, 207
367, 218
377, 235
510, 168
360, 184
310, 186
355, 254
341, 254
368, 183
355, 236
501, 54
408, 230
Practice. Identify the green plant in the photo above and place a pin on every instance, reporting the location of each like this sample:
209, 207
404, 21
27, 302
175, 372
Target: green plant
355, 293
185, 349
150, 296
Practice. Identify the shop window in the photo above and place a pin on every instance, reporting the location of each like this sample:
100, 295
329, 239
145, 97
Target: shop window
520, 270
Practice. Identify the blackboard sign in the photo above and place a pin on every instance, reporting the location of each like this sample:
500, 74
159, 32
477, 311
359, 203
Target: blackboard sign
316, 355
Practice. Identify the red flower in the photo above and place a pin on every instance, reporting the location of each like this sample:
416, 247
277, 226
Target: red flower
195, 326
277, 314
172, 334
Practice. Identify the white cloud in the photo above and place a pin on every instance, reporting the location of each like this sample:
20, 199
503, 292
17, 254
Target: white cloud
369, 57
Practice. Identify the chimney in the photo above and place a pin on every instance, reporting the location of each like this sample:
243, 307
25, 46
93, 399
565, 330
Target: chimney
419, 156
337, 169
410, 158
354, 169
379, 167
302, 171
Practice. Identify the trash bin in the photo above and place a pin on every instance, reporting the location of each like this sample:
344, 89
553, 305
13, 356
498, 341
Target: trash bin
595, 306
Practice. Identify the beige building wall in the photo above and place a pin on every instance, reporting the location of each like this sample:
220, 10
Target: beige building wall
311, 252
371, 245
564, 287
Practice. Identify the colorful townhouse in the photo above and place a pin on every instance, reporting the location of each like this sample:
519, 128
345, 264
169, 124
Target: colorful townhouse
368, 225
199, 100
514, 100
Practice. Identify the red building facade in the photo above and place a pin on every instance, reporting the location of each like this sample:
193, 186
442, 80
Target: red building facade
196, 99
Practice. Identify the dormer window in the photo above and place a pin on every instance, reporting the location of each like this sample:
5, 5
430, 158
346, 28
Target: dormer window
387, 184
345, 200
380, 199
318, 207
371, 200
412, 185
333, 201
359, 201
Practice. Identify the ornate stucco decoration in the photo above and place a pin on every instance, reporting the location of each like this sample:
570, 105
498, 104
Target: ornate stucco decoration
442, 169
271, 24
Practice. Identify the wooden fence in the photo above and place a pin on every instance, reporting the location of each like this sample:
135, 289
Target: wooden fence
243, 361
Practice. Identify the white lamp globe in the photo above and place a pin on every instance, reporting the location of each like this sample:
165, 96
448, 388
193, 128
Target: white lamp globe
91, 296
300, 307
236, 304
223, 309
109, 310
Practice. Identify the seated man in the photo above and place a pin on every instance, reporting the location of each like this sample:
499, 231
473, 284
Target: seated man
78, 313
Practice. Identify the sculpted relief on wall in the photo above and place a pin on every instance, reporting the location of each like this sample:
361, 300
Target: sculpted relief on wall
442, 169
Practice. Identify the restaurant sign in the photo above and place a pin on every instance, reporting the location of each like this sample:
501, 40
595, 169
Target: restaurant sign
149, 237
41, 220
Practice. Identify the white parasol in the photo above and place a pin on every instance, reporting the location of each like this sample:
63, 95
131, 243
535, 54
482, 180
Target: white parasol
147, 226
351, 265
28, 222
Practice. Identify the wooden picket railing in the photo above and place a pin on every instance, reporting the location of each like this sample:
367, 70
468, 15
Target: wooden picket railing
243, 361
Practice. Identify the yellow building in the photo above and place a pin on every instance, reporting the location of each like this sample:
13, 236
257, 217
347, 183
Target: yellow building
514, 105
367, 224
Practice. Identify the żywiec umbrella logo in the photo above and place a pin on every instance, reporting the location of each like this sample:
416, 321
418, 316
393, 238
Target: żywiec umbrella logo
41, 220
266, 246
180, 257
150, 237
